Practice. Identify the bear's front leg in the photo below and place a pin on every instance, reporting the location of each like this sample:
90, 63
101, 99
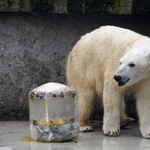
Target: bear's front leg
112, 104
143, 108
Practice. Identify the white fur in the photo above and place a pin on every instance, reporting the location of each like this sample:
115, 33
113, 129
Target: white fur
91, 66
139, 71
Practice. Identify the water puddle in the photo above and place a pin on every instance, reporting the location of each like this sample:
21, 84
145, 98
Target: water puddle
28, 139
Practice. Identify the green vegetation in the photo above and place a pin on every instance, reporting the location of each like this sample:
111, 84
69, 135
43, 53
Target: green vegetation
141, 7
94, 6
2, 3
42, 5
10, 3
75, 6
101, 6
21, 4
78, 6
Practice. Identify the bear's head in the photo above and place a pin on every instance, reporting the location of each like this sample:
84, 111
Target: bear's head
134, 66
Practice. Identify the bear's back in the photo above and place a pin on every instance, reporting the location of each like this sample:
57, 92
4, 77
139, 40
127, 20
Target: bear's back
107, 42
110, 35
97, 53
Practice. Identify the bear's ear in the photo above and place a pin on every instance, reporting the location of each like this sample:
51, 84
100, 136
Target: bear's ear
128, 49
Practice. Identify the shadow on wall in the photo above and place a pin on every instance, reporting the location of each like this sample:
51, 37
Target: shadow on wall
34, 48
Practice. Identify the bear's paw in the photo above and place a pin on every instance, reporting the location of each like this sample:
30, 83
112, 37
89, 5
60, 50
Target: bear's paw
126, 122
145, 132
86, 129
111, 130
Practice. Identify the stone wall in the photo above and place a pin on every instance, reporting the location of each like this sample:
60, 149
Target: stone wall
34, 48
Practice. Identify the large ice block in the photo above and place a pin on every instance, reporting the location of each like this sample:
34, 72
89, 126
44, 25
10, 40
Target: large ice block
53, 113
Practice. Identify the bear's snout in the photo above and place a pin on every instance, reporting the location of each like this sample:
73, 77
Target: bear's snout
117, 78
122, 80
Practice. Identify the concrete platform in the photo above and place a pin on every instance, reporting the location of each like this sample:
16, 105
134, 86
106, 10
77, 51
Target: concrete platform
15, 135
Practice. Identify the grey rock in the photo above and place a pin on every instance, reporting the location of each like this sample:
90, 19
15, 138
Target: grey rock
34, 48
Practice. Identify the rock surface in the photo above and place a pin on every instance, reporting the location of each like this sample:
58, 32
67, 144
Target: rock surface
34, 48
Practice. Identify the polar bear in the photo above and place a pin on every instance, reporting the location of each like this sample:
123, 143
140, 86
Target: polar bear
105, 63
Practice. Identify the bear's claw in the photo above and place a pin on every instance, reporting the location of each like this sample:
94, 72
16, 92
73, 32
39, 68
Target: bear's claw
86, 129
126, 122
107, 131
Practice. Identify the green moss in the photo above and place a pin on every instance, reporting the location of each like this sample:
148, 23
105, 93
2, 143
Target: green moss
2, 3
83, 7
60, 6
42, 5
10, 3
79, 6
100, 6
75, 6
115, 8
93, 6
21, 4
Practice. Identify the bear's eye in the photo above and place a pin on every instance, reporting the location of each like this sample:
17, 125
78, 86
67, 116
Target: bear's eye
131, 65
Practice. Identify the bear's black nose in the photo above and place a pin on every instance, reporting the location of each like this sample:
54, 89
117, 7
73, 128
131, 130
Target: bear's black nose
117, 78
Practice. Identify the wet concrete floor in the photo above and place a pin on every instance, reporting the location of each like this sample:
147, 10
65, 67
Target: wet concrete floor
15, 135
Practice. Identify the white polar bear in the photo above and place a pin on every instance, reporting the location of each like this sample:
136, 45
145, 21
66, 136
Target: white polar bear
93, 69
